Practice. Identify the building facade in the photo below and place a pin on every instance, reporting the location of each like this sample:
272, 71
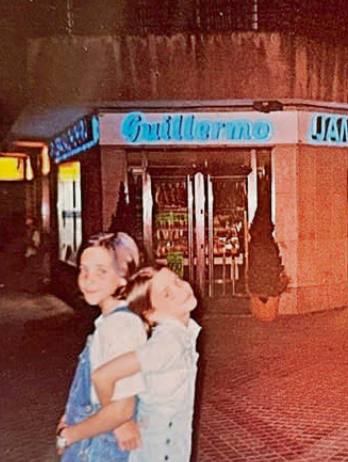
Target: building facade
189, 122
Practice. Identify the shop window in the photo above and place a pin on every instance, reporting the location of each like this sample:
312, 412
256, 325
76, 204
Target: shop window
69, 211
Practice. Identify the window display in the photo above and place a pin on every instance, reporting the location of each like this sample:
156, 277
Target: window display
222, 237
171, 223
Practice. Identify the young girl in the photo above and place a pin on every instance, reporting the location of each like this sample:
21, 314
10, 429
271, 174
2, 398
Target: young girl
168, 364
105, 261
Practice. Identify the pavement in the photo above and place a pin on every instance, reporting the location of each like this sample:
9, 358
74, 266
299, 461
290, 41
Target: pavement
266, 391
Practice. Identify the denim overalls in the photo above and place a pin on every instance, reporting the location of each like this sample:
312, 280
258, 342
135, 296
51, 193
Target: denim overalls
101, 448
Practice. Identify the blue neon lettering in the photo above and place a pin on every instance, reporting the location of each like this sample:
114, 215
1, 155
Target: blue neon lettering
329, 129
95, 129
343, 129
164, 133
130, 127
186, 127
238, 130
332, 130
202, 130
176, 128
149, 132
216, 131
76, 139
317, 129
261, 130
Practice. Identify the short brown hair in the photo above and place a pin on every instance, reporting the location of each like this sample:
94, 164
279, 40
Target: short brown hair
137, 292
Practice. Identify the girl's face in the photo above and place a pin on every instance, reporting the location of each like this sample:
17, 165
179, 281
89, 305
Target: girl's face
97, 279
171, 296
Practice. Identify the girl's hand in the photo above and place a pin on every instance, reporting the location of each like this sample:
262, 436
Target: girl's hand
61, 424
62, 441
128, 436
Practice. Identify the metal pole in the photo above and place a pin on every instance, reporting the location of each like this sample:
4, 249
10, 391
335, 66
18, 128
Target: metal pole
255, 15
69, 16
190, 229
210, 236
200, 230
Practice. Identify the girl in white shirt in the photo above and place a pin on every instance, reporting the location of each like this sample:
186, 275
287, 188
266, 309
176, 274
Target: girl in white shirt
168, 362
106, 260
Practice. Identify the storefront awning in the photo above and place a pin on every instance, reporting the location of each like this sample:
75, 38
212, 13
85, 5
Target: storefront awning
45, 123
66, 131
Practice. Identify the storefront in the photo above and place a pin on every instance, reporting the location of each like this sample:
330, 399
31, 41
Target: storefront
52, 145
186, 182
67, 151
193, 179
196, 174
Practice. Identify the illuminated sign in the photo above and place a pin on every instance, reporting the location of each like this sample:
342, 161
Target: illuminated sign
11, 169
136, 128
69, 171
329, 129
81, 136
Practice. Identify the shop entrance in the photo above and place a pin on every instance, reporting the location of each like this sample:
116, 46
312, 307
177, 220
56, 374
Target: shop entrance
199, 225
195, 220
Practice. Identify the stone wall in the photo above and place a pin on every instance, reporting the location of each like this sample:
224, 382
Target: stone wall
183, 67
311, 225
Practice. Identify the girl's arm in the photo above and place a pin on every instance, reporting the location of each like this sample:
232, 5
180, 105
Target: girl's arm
106, 419
113, 413
105, 377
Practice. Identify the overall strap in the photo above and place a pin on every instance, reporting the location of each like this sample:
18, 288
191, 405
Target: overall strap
120, 309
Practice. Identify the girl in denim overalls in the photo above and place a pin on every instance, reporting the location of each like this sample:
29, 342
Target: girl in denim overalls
105, 261
168, 362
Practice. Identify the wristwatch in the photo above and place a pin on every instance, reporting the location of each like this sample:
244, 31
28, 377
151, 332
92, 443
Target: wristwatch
61, 441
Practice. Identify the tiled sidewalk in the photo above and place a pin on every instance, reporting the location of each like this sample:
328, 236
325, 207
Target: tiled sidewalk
275, 392
270, 392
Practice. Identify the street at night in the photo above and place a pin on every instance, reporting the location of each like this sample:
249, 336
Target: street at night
268, 391
207, 140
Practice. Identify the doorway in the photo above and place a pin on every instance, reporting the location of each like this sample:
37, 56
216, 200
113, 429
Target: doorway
196, 223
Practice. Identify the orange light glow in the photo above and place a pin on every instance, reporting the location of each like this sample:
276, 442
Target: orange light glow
29, 144
45, 161
29, 174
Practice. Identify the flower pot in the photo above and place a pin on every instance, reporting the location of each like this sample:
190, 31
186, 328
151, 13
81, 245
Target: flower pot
264, 309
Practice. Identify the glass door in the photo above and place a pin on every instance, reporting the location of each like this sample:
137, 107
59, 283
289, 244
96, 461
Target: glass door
197, 225
227, 229
171, 235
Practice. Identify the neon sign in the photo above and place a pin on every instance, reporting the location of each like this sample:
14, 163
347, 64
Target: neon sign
80, 137
192, 128
329, 129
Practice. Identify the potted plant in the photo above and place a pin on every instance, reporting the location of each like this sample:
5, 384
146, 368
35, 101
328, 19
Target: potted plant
266, 275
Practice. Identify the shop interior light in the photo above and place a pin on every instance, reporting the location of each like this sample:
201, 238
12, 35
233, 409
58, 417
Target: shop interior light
45, 161
29, 174
11, 168
69, 171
